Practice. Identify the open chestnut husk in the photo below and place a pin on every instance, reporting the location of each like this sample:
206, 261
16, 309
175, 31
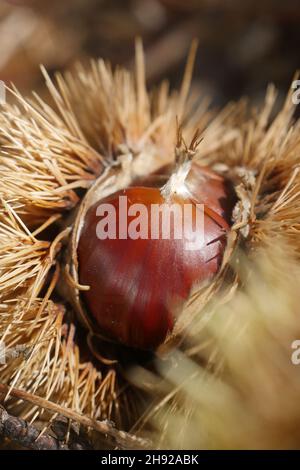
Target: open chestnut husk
131, 290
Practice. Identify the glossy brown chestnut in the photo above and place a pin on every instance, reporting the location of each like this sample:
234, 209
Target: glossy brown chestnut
138, 287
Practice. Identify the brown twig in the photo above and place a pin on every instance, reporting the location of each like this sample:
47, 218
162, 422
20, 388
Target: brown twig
122, 438
27, 435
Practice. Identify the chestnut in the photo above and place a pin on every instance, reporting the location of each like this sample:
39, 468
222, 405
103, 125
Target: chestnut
138, 285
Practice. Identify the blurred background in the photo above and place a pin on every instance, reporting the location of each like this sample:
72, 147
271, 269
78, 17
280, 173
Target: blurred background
243, 45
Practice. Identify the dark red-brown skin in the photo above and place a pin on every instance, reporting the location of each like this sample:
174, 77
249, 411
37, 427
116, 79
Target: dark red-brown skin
138, 287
